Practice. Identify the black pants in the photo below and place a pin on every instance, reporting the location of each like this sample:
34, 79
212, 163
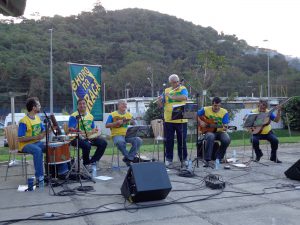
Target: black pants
270, 137
86, 145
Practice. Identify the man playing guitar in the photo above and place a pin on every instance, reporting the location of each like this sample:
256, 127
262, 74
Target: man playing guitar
266, 132
218, 118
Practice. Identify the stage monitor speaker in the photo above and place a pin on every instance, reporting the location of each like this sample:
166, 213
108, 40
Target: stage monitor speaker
148, 181
294, 171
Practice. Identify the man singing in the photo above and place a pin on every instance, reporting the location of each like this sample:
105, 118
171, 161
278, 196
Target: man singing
174, 95
86, 127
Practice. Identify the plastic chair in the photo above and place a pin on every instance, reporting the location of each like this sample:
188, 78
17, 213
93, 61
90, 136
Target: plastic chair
11, 133
158, 131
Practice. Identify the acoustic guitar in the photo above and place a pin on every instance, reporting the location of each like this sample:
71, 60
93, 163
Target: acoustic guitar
263, 119
211, 125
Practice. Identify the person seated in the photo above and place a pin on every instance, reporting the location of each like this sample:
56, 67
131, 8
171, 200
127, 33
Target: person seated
118, 122
221, 119
86, 128
266, 133
30, 133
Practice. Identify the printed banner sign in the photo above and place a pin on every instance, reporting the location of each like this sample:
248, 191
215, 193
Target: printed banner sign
86, 83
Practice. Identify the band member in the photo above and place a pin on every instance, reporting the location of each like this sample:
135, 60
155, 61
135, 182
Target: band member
266, 133
174, 95
86, 128
30, 133
221, 118
118, 122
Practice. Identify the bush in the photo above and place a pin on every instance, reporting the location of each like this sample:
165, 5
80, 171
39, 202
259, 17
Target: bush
291, 113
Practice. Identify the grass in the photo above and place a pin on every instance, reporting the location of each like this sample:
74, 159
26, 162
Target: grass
238, 138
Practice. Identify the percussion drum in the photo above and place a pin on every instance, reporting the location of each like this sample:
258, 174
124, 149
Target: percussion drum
59, 152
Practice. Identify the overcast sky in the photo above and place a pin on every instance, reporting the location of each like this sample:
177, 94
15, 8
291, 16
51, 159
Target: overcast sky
252, 20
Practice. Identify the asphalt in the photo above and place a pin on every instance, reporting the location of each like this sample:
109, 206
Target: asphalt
259, 194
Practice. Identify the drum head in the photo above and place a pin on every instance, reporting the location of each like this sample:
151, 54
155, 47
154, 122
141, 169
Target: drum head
55, 144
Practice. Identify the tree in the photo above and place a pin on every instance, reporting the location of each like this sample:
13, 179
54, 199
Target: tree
291, 113
153, 112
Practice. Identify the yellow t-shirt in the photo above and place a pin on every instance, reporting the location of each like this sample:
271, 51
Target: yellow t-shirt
119, 131
218, 117
169, 103
33, 128
87, 120
267, 128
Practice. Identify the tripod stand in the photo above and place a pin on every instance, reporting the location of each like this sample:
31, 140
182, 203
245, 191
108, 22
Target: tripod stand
77, 168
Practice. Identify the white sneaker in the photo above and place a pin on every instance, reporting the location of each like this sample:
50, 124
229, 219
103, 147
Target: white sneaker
186, 163
168, 163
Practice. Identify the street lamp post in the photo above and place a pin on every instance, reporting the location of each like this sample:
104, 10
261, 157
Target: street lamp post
268, 73
51, 73
151, 81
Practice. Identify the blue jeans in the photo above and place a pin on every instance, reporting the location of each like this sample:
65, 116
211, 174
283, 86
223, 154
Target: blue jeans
120, 142
210, 138
36, 150
181, 132
86, 145
269, 137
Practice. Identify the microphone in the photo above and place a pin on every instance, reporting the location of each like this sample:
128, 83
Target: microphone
79, 115
47, 118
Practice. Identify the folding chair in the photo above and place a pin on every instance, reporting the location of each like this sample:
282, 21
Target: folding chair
11, 133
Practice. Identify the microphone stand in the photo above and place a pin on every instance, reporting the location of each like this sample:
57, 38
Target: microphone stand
197, 122
77, 163
47, 123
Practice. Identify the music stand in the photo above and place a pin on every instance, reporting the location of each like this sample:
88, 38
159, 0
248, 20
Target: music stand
137, 131
253, 120
184, 111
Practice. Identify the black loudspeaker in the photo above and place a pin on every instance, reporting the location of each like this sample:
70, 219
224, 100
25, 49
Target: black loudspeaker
147, 181
294, 171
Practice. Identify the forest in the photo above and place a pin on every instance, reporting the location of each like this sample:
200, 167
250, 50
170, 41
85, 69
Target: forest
137, 49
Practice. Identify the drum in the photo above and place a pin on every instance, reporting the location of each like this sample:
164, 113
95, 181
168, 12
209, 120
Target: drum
59, 152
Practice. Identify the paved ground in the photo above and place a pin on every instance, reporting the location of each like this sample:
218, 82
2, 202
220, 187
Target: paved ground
259, 194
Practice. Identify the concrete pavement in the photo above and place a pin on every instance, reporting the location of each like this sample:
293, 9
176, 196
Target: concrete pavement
258, 194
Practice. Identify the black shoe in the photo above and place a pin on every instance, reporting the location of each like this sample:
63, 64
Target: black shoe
127, 161
136, 160
259, 155
275, 159
206, 164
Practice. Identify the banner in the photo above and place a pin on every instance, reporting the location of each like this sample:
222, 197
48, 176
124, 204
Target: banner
86, 83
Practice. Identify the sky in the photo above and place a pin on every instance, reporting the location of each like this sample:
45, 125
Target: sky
254, 21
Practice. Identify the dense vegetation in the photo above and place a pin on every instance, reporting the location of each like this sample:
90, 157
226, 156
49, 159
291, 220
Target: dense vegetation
131, 44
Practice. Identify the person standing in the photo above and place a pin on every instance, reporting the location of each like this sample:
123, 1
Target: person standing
176, 94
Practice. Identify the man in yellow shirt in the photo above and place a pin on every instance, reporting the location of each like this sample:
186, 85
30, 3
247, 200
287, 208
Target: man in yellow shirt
86, 127
118, 122
177, 94
30, 133
266, 133
220, 117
